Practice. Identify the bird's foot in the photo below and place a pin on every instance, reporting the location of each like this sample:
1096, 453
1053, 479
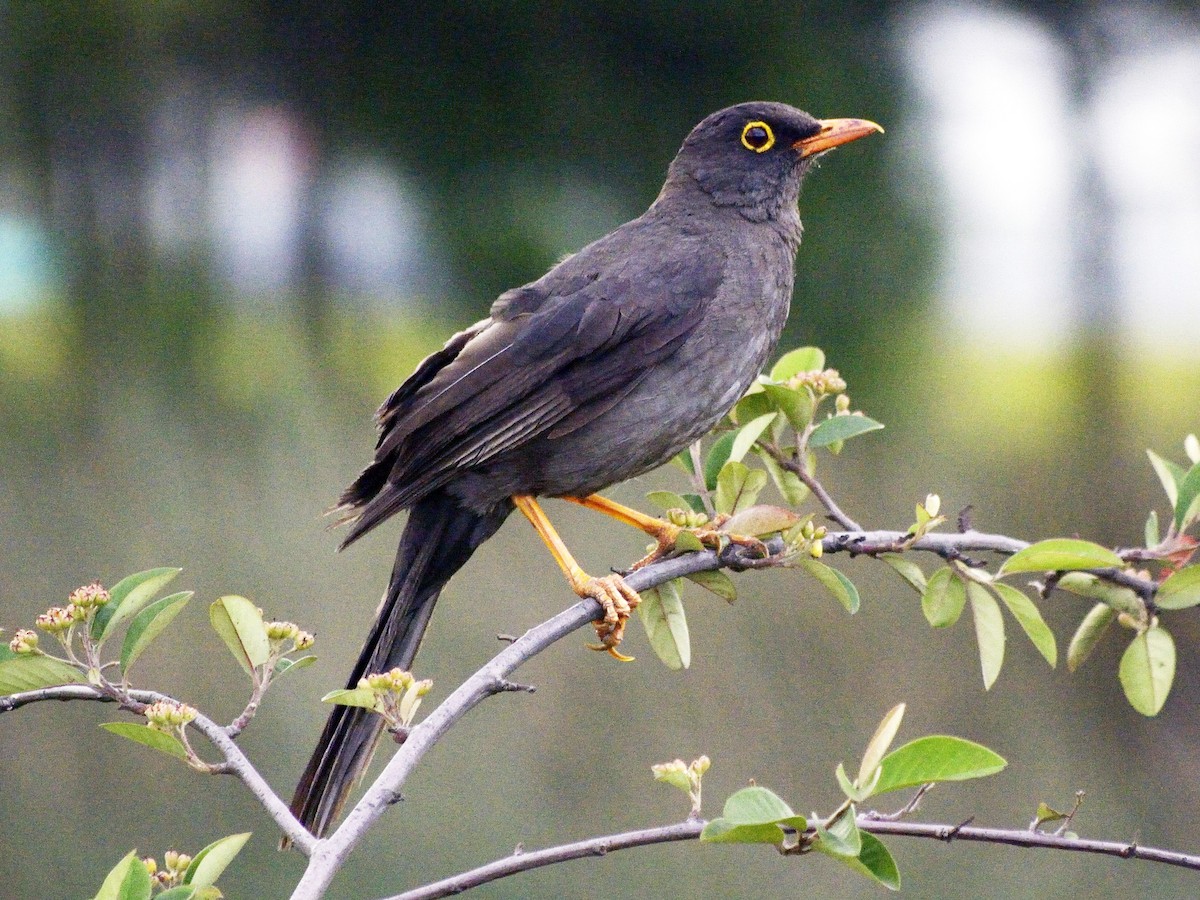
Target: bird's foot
709, 535
618, 600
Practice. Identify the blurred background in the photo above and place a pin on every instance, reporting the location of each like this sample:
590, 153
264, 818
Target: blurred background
228, 229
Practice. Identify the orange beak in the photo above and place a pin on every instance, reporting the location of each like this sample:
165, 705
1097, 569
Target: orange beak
833, 133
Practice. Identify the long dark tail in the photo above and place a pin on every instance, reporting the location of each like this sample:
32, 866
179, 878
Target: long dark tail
438, 539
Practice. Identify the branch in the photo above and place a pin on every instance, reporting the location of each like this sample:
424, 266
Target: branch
236, 762
690, 830
1016, 837
520, 861
329, 854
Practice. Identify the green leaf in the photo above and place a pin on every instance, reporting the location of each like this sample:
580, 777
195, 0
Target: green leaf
149, 624
127, 880
668, 500
802, 359
722, 831
795, 403
1089, 632
716, 459
717, 582
738, 487
240, 625
209, 863
150, 737
179, 892
757, 805
662, 615
875, 861
753, 815
789, 485
182, 892
906, 569
761, 520
687, 542
1187, 506
841, 428
683, 459
849, 788
835, 582
1084, 584
362, 697
944, 598
748, 434
696, 502
291, 665
1147, 670
989, 631
127, 597
1030, 620
1151, 530
936, 758
880, 741
29, 672
1169, 475
1060, 554
1180, 590
752, 405
841, 838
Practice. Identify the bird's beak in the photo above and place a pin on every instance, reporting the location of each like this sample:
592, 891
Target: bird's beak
833, 133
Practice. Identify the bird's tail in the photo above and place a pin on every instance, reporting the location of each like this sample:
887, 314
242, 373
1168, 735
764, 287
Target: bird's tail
438, 539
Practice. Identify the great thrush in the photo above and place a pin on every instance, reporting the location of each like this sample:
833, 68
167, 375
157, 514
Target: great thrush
605, 367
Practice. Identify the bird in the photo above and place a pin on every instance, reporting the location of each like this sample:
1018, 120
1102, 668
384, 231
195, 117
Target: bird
620, 356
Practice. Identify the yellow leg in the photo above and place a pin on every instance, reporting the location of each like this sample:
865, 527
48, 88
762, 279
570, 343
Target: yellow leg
656, 528
665, 533
611, 591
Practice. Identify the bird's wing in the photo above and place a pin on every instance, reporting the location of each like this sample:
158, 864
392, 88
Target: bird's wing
556, 353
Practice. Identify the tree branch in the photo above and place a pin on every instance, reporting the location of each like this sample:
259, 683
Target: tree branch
690, 830
1016, 837
520, 861
236, 763
330, 853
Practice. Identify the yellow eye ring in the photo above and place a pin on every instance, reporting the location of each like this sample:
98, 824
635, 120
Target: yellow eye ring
758, 136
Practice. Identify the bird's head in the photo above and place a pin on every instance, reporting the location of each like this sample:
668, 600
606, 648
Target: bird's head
753, 155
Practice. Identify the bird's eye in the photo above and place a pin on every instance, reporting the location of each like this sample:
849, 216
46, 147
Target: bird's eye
758, 136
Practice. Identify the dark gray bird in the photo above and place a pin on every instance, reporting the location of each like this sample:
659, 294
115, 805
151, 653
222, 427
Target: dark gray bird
603, 368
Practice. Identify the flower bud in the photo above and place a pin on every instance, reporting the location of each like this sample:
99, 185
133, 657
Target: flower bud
89, 596
304, 640
24, 641
281, 631
54, 620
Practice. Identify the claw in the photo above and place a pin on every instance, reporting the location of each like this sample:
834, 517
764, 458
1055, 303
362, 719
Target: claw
618, 601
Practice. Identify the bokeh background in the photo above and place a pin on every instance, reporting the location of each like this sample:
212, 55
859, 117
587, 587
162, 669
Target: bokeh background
228, 229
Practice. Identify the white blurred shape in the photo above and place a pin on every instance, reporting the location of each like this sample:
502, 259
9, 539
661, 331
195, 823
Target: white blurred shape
259, 178
24, 276
1146, 132
993, 123
372, 232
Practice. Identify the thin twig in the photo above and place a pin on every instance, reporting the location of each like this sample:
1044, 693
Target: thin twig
235, 763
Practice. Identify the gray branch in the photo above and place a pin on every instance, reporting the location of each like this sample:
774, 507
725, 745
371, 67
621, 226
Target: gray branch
690, 830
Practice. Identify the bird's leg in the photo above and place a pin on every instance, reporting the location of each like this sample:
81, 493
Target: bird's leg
666, 534
612, 593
